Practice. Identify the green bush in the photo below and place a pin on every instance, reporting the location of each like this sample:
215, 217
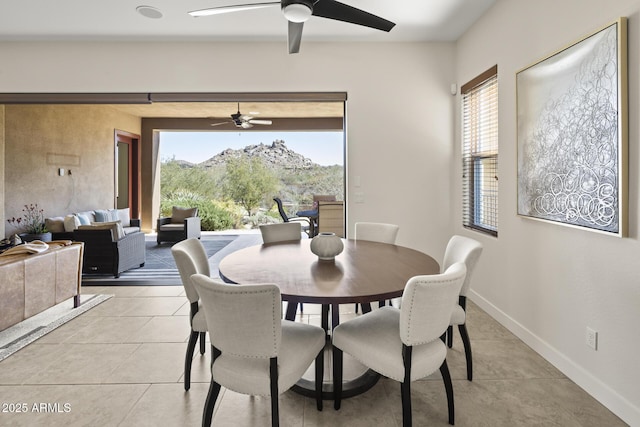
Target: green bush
213, 215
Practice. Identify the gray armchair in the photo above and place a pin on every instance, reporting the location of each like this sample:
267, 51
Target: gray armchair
183, 224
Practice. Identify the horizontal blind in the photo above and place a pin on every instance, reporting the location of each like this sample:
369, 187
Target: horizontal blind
480, 152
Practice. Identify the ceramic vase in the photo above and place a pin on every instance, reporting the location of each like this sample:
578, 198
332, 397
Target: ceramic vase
326, 246
28, 237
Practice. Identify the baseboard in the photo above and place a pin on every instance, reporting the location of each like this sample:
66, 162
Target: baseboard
600, 391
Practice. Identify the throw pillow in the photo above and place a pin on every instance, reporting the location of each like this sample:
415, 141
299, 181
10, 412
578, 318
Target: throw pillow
178, 214
71, 222
116, 228
102, 215
124, 217
84, 219
54, 224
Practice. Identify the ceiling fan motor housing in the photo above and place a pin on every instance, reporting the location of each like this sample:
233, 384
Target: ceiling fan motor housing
297, 10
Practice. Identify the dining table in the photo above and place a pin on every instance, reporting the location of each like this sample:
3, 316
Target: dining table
364, 272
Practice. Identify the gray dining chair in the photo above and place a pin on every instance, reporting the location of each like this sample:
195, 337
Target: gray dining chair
404, 344
254, 352
466, 250
191, 258
375, 232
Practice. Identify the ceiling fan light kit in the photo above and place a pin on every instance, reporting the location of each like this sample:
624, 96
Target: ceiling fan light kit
297, 12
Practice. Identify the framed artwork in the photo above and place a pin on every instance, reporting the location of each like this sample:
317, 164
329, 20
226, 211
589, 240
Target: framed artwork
573, 134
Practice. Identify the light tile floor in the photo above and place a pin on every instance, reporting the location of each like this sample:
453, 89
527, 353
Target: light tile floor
121, 364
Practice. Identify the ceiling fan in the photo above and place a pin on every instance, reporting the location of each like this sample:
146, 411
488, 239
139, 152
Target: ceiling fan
243, 121
299, 11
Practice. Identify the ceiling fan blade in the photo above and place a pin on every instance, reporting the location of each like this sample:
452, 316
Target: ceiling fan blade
295, 36
332, 9
219, 124
246, 125
234, 8
260, 122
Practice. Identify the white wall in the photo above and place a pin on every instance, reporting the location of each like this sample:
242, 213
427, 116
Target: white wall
546, 282
399, 107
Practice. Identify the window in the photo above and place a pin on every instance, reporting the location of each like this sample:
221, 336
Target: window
480, 152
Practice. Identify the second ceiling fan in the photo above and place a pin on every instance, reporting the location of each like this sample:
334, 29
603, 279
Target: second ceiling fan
244, 121
298, 11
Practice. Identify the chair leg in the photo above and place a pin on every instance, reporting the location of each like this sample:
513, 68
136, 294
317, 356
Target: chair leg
467, 349
405, 388
337, 377
319, 378
366, 307
301, 308
188, 358
446, 377
273, 377
450, 336
203, 336
210, 402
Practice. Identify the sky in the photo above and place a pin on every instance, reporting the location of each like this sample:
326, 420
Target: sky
323, 148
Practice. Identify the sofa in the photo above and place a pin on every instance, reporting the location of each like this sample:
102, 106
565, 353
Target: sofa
113, 242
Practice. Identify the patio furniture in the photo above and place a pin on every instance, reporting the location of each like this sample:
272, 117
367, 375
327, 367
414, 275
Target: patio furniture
331, 217
191, 258
466, 250
183, 224
109, 251
306, 224
256, 353
404, 344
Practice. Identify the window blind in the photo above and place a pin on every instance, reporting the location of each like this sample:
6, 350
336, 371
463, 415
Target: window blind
480, 152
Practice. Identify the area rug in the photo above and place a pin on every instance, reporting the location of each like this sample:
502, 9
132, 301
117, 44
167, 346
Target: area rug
159, 268
24, 333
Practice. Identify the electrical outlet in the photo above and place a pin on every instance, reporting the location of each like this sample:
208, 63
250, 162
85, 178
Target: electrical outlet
592, 338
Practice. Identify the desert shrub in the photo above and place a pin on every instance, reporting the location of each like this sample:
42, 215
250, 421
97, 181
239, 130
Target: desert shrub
214, 215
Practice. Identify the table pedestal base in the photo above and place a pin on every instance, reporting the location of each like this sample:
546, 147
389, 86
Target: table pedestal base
357, 377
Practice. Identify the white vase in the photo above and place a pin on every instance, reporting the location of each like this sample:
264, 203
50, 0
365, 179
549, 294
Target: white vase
327, 246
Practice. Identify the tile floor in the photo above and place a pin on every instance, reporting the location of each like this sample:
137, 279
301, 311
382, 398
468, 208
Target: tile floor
121, 364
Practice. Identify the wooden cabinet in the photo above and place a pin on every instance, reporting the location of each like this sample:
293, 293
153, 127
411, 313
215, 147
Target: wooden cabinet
331, 217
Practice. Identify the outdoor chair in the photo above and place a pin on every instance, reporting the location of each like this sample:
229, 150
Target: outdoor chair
256, 354
183, 224
305, 223
404, 344
191, 258
466, 250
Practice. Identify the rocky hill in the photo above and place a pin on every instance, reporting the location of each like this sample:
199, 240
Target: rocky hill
277, 155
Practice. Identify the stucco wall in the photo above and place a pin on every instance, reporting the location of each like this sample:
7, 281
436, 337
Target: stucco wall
546, 282
40, 139
2, 149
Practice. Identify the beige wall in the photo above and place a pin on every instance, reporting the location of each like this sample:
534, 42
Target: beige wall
546, 282
2, 168
40, 139
399, 109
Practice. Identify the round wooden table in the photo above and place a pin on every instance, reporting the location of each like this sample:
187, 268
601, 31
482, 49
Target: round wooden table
363, 273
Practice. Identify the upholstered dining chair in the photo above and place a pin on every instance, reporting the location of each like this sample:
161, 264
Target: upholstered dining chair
404, 344
281, 232
191, 258
253, 351
466, 250
375, 232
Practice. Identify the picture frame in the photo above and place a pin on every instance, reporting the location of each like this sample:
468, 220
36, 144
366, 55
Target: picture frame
572, 134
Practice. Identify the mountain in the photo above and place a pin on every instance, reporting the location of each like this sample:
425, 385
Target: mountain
276, 155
